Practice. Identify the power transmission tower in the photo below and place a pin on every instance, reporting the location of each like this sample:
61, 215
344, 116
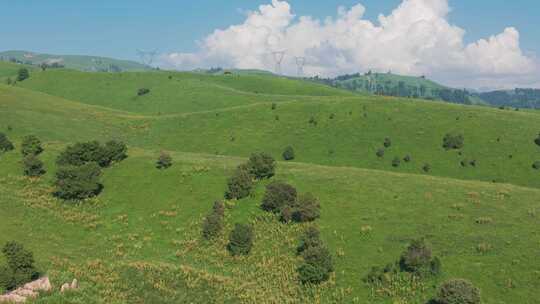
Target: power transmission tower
300, 62
147, 57
278, 59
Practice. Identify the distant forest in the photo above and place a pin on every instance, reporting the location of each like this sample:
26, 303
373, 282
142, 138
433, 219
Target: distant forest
519, 98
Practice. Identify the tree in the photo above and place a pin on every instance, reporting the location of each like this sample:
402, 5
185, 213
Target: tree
164, 161
380, 153
426, 168
288, 154
458, 291
20, 266
23, 74
396, 162
277, 196
212, 225
313, 274
537, 140
115, 151
453, 141
261, 165
78, 182
31, 145
536, 165
306, 209
143, 91
407, 158
33, 167
83, 153
317, 265
310, 238
241, 240
418, 259
5, 144
239, 184
387, 142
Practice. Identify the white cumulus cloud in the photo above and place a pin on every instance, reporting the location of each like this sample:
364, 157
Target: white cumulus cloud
415, 39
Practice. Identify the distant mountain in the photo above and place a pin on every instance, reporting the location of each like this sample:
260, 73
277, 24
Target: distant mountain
389, 84
517, 98
76, 62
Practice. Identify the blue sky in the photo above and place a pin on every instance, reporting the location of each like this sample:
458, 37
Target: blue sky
116, 28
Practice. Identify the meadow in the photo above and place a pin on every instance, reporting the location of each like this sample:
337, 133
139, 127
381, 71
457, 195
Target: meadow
140, 241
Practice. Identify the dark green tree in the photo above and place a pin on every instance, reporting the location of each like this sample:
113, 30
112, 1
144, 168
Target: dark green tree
239, 185
241, 240
418, 259
32, 166
277, 196
31, 145
288, 153
115, 151
261, 165
317, 265
537, 140
23, 74
536, 165
5, 144
396, 162
78, 182
306, 209
453, 141
310, 238
212, 225
82, 153
20, 266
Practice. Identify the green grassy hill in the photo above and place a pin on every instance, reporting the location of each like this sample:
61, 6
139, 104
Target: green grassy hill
77, 62
139, 241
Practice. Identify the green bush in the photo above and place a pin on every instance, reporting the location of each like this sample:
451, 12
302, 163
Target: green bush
426, 168
396, 162
310, 238
5, 144
418, 259
288, 154
380, 153
115, 151
537, 140
312, 274
407, 159
212, 225
277, 196
536, 165
23, 74
83, 153
143, 91
387, 142
219, 208
241, 240
458, 291
453, 141
78, 182
31, 145
164, 161
32, 166
306, 209
240, 184
20, 266
261, 165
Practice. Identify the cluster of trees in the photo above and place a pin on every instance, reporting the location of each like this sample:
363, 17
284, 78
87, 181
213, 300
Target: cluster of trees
282, 198
19, 268
78, 175
317, 261
30, 148
519, 98
259, 166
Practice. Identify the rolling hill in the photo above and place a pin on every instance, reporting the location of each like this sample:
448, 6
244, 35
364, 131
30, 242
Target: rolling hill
139, 241
77, 62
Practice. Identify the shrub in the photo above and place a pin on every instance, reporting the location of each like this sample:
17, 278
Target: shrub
473, 163
380, 153
32, 166
239, 185
453, 141
20, 266
418, 259
23, 74
83, 153
7, 279
241, 240
396, 162
317, 265
5, 144
310, 238
78, 182
426, 168
288, 154
537, 140
212, 225
387, 142
277, 196
536, 165
313, 121
115, 151
306, 209
407, 158
143, 91
164, 161
332, 116
458, 291
274, 106
313, 274
261, 165
31, 145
